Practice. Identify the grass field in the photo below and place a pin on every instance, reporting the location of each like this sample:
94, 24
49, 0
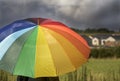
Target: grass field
96, 70
93, 70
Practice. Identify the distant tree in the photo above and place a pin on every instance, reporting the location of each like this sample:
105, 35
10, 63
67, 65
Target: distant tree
77, 30
117, 51
88, 30
113, 52
104, 30
93, 30
100, 30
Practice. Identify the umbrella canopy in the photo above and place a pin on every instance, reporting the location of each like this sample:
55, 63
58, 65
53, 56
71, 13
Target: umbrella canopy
38, 47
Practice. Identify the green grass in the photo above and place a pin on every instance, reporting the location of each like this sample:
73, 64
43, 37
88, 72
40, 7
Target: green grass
5, 76
96, 70
103, 65
93, 70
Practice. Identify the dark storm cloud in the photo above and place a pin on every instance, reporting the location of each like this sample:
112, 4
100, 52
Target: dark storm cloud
108, 16
76, 13
11, 11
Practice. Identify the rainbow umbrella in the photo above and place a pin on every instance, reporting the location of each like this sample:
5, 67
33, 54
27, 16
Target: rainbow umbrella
38, 47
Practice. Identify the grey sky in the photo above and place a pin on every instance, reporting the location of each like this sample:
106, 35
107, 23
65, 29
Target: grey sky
75, 13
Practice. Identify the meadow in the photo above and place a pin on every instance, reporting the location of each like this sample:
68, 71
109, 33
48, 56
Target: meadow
93, 70
96, 70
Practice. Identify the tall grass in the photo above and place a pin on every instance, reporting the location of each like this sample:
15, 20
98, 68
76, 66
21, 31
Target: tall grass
5, 76
96, 70
91, 76
93, 70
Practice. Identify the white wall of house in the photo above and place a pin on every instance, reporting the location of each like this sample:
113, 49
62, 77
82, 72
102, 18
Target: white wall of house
103, 41
95, 41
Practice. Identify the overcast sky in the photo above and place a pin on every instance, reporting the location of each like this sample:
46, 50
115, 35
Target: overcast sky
74, 13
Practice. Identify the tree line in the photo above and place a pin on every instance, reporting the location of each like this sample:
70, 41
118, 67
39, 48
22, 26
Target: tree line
93, 30
110, 52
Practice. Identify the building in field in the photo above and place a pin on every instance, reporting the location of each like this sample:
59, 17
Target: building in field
103, 40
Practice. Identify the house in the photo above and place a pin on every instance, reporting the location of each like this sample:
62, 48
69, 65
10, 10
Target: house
103, 40
98, 40
117, 38
110, 41
94, 41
